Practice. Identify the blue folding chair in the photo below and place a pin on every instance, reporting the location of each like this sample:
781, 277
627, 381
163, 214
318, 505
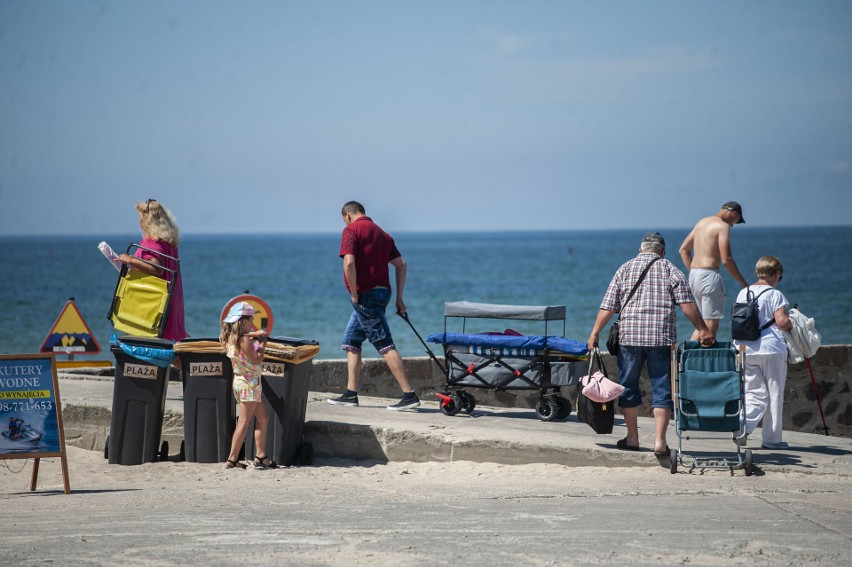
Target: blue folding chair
709, 395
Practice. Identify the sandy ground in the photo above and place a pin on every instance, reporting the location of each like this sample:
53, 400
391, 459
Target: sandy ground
360, 513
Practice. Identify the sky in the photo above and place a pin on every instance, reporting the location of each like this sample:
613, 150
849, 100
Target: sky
458, 115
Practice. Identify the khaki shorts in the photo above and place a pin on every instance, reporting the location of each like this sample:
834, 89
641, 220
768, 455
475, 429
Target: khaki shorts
709, 292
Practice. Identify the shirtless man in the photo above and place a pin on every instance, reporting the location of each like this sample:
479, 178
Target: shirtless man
702, 251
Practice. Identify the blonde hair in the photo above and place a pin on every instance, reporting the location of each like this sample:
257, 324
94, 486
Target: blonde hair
768, 266
232, 332
158, 222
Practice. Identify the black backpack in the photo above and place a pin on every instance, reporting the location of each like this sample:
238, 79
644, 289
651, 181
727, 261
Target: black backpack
745, 324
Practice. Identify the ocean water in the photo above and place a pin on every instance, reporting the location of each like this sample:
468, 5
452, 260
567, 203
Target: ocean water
300, 277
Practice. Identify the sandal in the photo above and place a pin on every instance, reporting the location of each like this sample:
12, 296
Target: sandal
264, 462
622, 444
663, 454
229, 464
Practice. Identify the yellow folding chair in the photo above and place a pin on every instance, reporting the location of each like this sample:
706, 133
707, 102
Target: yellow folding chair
141, 301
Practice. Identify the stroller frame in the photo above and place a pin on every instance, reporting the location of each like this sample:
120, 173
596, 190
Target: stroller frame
687, 412
131, 278
454, 399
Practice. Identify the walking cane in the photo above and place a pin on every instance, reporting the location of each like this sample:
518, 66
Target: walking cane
816, 390
816, 394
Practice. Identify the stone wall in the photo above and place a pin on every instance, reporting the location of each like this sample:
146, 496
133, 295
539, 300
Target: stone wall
832, 370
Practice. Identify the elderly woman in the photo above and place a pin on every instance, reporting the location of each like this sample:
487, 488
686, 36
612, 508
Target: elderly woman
766, 357
160, 234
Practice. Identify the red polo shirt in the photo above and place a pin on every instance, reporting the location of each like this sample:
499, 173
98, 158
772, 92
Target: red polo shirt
373, 249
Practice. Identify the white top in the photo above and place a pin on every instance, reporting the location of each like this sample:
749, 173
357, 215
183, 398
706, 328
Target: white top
771, 340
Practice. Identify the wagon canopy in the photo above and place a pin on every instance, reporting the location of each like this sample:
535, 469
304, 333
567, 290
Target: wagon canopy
495, 311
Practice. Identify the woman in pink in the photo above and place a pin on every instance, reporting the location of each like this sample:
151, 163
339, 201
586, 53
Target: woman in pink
160, 235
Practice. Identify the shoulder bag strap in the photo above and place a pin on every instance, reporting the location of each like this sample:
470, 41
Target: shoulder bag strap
635, 287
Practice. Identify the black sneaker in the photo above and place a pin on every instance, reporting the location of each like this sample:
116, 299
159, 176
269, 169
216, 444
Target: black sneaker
345, 400
408, 401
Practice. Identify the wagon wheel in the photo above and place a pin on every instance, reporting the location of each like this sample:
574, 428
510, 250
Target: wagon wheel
468, 402
749, 465
106, 448
164, 451
451, 406
673, 461
546, 409
564, 407
182, 453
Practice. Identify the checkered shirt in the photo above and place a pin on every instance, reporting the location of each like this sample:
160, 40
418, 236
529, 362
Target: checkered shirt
649, 318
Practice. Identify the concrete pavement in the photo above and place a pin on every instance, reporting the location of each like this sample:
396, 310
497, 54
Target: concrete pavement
497, 489
499, 435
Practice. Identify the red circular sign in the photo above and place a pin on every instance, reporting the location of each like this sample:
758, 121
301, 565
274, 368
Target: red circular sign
263, 318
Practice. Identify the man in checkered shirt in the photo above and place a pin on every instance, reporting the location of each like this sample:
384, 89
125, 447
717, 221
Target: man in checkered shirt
647, 331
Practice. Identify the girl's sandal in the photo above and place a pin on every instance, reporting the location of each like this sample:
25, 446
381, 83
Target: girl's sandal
234, 464
264, 462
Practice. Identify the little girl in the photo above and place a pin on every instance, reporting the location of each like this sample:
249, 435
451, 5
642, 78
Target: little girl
245, 349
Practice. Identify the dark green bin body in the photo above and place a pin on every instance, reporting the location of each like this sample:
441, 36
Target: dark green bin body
138, 403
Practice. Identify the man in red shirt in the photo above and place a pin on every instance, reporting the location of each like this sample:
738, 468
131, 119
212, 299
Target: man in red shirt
366, 251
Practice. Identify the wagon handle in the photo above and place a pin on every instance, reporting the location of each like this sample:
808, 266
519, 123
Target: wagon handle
405, 318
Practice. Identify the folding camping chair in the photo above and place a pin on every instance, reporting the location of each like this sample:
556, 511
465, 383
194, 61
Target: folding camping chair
709, 395
141, 301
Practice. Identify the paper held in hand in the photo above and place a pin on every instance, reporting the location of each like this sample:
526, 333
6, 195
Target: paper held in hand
110, 255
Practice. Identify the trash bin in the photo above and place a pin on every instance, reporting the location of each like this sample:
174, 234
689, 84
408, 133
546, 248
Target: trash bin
138, 400
209, 408
285, 393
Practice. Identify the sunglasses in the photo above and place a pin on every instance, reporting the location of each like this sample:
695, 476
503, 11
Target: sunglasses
148, 204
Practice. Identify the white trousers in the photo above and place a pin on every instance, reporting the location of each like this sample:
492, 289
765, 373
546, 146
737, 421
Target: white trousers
765, 376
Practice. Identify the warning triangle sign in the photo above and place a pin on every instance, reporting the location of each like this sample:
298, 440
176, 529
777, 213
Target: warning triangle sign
70, 334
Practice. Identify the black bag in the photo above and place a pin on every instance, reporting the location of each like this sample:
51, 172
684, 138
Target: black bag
599, 416
745, 322
612, 341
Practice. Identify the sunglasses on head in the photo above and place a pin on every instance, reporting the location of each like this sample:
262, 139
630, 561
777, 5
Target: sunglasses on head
148, 204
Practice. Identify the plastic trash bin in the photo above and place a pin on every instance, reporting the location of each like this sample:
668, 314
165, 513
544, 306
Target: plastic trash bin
209, 408
285, 393
138, 401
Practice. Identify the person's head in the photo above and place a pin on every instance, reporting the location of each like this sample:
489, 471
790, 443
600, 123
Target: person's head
732, 213
769, 269
237, 323
157, 222
653, 242
351, 211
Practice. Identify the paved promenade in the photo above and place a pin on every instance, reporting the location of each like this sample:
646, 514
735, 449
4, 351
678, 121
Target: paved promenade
499, 487
499, 435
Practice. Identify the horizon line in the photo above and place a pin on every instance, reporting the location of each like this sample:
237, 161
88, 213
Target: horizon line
414, 232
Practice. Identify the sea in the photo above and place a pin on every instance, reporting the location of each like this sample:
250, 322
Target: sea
300, 277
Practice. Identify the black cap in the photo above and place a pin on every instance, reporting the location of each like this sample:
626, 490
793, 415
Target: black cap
655, 238
735, 207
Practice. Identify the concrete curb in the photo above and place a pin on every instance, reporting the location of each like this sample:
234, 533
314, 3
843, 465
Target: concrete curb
491, 434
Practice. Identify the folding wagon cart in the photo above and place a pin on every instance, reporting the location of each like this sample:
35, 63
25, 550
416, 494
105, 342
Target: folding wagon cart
507, 360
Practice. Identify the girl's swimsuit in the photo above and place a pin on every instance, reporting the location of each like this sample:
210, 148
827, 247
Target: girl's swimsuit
247, 375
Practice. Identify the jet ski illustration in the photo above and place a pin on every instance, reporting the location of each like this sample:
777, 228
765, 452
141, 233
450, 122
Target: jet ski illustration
21, 432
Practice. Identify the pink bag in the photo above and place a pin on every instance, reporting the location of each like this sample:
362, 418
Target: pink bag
598, 387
